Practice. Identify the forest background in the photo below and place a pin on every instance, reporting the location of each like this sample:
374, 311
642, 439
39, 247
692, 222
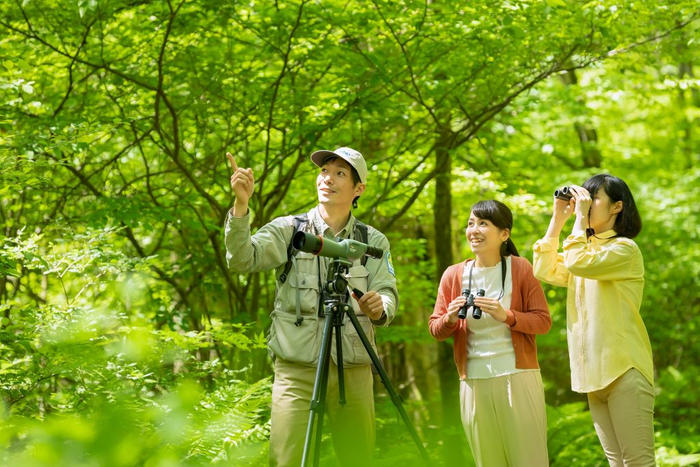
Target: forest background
125, 341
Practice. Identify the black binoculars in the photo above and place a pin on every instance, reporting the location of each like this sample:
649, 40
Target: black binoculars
476, 312
563, 194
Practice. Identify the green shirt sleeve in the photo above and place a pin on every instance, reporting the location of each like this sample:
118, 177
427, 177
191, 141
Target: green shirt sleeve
382, 278
264, 251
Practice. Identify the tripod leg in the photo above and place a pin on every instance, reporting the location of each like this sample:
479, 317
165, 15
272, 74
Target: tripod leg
322, 405
338, 323
318, 398
395, 397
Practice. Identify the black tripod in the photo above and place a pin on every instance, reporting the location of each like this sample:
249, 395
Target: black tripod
335, 305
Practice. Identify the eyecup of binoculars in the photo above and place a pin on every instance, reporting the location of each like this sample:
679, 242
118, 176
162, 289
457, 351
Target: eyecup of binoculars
563, 193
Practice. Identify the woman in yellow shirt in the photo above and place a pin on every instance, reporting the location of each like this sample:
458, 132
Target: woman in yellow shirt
609, 348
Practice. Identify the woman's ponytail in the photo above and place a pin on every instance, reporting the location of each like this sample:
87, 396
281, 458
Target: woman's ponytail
508, 248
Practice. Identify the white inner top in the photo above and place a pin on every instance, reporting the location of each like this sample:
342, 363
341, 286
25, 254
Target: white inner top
489, 345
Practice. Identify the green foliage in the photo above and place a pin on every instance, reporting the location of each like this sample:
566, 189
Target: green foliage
570, 439
93, 372
124, 340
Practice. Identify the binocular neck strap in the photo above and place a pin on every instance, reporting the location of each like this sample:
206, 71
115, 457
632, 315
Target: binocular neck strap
504, 268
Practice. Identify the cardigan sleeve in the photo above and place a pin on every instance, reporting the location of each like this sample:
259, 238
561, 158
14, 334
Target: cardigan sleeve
439, 324
534, 318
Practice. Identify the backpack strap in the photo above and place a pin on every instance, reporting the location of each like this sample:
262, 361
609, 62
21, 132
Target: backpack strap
361, 234
300, 220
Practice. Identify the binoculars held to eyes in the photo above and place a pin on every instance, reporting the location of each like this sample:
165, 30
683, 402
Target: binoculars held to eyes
346, 248
476, 312
563, 194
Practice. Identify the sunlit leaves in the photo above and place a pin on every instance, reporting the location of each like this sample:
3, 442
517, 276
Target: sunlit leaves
117, 314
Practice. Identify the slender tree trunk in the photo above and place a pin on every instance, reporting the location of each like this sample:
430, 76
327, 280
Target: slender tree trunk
685, 69
587, 135
451, 426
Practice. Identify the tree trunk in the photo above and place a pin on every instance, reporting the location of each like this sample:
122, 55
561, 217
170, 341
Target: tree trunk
451, 430
587, 135
685, 69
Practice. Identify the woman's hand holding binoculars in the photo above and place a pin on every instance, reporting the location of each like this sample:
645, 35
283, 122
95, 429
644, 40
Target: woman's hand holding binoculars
575, 198
567, 201
488, 305
454, 307
579, 202
491, 306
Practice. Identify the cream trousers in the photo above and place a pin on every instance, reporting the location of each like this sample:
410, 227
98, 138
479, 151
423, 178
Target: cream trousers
505, 421
623, 415
352, 425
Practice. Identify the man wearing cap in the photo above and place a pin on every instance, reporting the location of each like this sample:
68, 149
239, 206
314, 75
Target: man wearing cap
294, 343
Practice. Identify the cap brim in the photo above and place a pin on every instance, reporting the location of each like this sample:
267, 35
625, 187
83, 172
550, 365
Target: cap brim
319, 157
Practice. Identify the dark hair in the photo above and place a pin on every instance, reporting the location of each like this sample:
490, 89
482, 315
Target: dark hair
628, 222
355, 175
499, 214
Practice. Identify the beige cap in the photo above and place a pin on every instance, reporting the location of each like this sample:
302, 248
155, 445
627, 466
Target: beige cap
349, 155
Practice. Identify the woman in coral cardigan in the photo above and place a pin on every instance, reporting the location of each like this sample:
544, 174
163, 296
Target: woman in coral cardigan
501, 392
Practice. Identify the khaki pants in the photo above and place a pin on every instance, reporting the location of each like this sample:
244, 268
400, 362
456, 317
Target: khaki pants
505, 420
623, 415
352, 425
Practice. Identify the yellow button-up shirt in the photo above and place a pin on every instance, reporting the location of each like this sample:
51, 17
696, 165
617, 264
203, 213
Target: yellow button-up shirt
605, 279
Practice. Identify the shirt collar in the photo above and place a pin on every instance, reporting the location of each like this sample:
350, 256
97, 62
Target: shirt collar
605, 235
321, 226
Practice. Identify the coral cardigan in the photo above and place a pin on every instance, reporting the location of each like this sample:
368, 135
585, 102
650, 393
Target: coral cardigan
528, 316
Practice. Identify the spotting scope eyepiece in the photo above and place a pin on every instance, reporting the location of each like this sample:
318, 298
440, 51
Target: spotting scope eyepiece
346, 248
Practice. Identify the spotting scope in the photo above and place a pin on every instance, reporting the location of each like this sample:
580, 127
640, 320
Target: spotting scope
346, 248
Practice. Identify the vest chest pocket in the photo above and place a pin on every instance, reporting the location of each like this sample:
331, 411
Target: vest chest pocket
299, 344
302, 278
306, 285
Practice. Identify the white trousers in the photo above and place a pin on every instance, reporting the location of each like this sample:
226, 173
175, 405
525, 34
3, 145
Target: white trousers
505, 420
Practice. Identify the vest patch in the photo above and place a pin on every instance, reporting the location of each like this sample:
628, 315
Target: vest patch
389, 264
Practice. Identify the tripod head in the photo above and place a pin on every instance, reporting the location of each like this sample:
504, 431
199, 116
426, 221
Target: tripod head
336, 282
